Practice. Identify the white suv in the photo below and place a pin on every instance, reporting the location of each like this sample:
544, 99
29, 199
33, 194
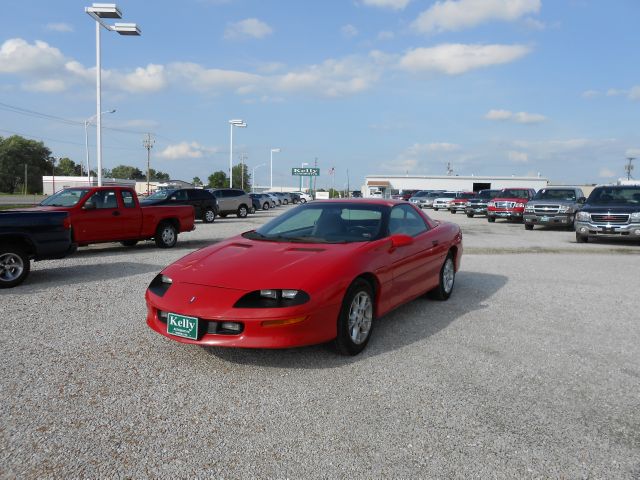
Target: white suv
304, 197
442, 202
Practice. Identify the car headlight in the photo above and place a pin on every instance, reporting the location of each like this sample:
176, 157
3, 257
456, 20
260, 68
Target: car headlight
519, 205
635, 217
529, 208
160, 284
491, 204
583, 216
565, 209
273, 298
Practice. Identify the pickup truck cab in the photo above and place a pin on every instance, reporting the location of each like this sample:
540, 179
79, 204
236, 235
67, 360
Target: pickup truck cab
610, 211
459, 203
113, 214
509, 204
26, 236
553, 206
478, 204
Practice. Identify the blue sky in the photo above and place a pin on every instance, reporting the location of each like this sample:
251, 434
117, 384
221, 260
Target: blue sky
495, 87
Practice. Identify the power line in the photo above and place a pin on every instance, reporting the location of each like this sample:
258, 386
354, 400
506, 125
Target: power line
37, 137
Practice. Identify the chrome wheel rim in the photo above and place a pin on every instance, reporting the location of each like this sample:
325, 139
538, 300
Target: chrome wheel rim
168, 235
243, 212
11, 267
360, 318
210, 215
448, 275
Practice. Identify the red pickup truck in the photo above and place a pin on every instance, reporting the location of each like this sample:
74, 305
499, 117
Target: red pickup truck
509, 204
113, 214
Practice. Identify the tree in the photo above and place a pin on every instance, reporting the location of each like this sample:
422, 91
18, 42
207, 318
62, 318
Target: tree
196, 181
218, 180
127, 172
15, 153
241, 177
68, 167
158, 176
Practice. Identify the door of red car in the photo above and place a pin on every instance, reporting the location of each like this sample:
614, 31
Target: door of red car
129, 217
95, 221
412, 265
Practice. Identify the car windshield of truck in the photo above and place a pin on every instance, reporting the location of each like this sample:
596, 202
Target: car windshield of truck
447, 195
466, 195
65, 198
555, 194
514, 193
615, 195
160, 195
421, 194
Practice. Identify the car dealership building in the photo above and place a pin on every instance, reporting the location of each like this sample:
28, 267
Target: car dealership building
385, 185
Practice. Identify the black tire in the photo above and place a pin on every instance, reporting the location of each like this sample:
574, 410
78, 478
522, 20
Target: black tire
209, 215
470, 215
528, 226
447, 280
572, 225
252, 210
242, 212
223, 215
265, 206
356, 323
435, 209
303, 200
14, 265
286, 202
129, 243
453, 212
166, 235
582, 238
491, 219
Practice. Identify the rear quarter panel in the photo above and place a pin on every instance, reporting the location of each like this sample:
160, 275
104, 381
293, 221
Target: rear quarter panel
184, 215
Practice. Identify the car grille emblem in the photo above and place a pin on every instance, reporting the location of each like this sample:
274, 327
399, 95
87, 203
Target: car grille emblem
193, 299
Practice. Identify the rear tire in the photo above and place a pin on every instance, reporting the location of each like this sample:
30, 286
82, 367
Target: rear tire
14, 265
582, 238
528, 226
469, 215
453, 211
265, 206
447, 280
209, 215
242, 211
435, 209
166, 235
491, 219
356, 318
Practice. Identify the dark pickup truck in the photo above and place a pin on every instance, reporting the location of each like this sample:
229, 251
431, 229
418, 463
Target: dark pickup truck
26, 236
610, 211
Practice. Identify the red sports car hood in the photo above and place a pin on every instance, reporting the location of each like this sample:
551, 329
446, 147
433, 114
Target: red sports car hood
244, 264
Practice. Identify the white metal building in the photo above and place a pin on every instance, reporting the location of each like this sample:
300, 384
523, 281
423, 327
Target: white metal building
386, 185
52, 184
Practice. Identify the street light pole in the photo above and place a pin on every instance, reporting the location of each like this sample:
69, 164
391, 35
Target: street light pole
99, 11
273, 150
253, 176
148, 144
87, 122
233, 123
302, 166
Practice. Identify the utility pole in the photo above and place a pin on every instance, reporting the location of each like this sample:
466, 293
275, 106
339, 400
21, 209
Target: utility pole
148, 144
449, 169
629, 167
243, 157
25, 178
348, 186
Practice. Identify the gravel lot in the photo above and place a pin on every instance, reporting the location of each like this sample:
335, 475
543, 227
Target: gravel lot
530, 370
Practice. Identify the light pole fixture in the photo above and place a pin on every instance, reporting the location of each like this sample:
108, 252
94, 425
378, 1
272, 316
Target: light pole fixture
253, 175
87, 122
273, 150
99, 12
233, 123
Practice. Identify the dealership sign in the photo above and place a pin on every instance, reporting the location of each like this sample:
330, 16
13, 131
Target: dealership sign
305, 172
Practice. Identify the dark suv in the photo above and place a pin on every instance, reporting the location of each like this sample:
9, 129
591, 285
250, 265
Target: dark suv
610, 211
204, 204
233, 201
478, 204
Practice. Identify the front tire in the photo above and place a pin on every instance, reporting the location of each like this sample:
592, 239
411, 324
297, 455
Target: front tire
166, 235
209, 215
582, 238
242, 211
469, 215
491, 219
265, 206
14, 266
355, 321
528, 226
447, 280
453, 212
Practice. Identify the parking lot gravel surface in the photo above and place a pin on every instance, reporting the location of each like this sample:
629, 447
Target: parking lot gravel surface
530, 370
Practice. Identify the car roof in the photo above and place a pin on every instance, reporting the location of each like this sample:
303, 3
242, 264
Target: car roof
363, 201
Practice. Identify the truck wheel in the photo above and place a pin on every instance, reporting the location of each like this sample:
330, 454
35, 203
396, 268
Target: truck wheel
14, 266
572, 224
470, 215
447, 279
166, 235
435, 209
528, 226
265, 206
581, 238
242, 211
209, 215
129, 243
453, 211
491, 219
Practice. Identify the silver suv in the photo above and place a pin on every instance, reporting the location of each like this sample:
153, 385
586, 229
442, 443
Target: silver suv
553, 206
232, 200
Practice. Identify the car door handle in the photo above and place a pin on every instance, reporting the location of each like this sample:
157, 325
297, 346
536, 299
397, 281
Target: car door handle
435, 242
115, 213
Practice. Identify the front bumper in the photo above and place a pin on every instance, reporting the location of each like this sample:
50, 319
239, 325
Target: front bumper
608, 229
475, 210
562, 220
504, 213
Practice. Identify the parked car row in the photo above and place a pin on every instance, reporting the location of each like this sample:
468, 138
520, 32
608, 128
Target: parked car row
610, 210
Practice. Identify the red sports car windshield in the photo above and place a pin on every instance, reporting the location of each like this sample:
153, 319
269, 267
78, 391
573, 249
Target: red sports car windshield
325, 223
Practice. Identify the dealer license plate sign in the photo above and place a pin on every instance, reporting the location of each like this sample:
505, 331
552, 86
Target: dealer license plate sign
182, 326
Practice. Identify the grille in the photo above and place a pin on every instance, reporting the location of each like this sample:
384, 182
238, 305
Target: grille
505, 204
546, 209
609, 218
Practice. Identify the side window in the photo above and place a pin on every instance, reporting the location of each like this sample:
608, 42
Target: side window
127, 199
404, 219
103, 199
180, 195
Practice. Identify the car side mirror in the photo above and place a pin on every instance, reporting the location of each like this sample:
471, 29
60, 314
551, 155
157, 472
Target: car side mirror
582, 199
89, 206
401, 240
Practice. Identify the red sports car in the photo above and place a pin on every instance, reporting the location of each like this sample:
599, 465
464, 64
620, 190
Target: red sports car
323, 271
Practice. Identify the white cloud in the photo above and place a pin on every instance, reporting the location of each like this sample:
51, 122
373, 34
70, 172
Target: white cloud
632, 152
454, 59
614, 92
59, 27
19, 56
606, 173
248, 28
452, 15
634, 93
52, 85
518, 117
349, 31
392, 4
590, 93
518, 157
185, 150
152, 78
386, 35
204, 79
442, 147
